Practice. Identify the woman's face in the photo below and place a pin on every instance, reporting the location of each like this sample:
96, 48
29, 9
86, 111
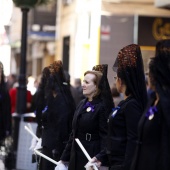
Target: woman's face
151, 82
88, 85
118, 84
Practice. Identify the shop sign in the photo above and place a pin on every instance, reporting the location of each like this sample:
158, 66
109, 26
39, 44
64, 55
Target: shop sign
152, 29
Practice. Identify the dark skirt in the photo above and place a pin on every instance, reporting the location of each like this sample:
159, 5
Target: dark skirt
117, 167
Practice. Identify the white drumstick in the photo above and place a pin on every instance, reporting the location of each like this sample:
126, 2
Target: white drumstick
34, 136
46, 157
30, 127
85, 152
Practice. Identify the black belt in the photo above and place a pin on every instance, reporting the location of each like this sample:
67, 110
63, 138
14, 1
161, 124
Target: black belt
87, 136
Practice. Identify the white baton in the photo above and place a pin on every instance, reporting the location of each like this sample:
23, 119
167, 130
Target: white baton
34, 136
85, 152
46, 157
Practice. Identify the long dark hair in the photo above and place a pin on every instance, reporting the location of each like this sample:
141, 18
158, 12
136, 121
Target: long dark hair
57, 83
104, 86
41, 94
129, 67
159, 66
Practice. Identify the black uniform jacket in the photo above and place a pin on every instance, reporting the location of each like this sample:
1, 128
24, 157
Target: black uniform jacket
153, 150
122, 137
56, 122
90, 127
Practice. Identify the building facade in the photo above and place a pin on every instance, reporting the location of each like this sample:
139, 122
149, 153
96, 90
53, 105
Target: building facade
91, 32
83, 33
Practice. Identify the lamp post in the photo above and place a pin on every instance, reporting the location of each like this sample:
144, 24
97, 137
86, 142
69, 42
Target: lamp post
25, 6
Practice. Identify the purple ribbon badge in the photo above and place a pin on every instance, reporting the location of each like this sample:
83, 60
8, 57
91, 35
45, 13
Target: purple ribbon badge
89, 107
150, 113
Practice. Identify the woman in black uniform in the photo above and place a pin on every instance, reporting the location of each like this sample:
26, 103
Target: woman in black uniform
55, 114
153, 151
89, 123
123, 121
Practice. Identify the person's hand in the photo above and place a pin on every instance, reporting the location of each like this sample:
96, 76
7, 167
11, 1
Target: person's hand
38, 145
35, 144
93, 162
96, 161
89, 166
61, 166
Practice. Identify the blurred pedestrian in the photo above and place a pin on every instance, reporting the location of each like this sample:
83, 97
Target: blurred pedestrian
13, 97
153, 151
11, 80
77, 83
89, 124
79, 89
123, 120
76, 93
56, 116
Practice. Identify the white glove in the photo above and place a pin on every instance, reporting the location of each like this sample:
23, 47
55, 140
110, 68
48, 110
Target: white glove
89, 166
61, 166
38, 145
33, 144
94, 162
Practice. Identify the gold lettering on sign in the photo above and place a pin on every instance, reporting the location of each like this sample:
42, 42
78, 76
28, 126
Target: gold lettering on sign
160, 30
